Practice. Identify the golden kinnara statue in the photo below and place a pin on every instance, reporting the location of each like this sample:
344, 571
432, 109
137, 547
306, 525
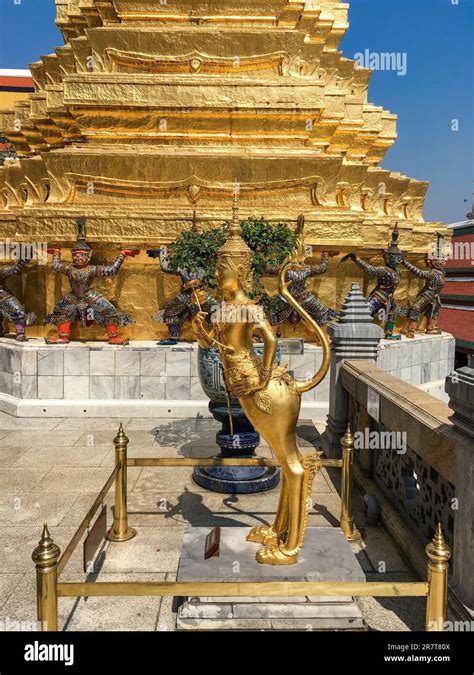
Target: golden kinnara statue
269, 396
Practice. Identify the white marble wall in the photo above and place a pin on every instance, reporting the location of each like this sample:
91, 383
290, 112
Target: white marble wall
88, 376
425, 359
96, 372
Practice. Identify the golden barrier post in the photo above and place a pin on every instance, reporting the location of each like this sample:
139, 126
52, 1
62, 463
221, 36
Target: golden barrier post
46, 556
120, 531
438, 553
347, 518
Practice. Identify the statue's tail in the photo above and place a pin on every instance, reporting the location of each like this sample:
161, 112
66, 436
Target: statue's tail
298, 257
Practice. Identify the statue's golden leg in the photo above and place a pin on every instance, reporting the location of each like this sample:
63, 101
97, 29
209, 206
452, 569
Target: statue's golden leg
295, 506
279, 430
286, 553
269, 534
309, 475
280, 524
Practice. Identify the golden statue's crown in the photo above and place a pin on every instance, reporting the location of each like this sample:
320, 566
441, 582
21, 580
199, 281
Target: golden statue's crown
235, 254
235, 246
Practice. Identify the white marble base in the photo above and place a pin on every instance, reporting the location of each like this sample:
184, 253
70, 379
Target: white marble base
325, 556
103, 408
143, 379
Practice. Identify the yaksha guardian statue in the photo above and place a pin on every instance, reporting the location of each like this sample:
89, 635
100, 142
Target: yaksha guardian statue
11, 308
427, 301
297, 279
83, 303
182, 307
268, 395
381, 299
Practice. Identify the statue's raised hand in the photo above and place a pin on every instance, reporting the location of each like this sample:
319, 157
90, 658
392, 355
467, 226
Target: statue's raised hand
154, 252
349, 256
198, 322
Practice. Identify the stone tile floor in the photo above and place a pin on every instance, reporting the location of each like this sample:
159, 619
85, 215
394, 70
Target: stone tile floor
52, 469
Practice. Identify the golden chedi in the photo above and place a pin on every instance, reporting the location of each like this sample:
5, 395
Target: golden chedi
151, 110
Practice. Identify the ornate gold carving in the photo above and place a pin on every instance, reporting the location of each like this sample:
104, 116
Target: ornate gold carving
194, 188
201, 20
197, 62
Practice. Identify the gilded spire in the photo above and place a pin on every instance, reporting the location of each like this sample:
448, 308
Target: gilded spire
235, 229
235, 251
235, 246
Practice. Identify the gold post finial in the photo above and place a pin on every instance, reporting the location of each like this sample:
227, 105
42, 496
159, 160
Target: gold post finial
348, 439
121, 438
45, 534
46, 556
47, 552
437, 550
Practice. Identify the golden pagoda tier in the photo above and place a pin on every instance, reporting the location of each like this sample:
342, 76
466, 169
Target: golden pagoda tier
153, 110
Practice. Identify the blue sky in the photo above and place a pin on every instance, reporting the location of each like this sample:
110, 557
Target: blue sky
435, 35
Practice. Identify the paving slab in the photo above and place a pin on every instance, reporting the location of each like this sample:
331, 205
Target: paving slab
63, 456
8, 456
88, 479
152, 550
93, 423
34, 508
14, 479
8, 584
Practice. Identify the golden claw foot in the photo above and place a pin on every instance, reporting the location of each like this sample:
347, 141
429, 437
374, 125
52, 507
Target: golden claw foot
262, 534
273, 555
